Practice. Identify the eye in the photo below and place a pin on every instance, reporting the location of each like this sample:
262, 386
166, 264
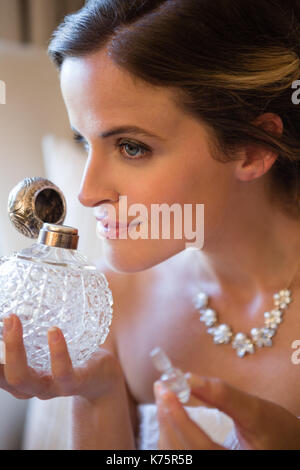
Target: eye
131, 150
80, 140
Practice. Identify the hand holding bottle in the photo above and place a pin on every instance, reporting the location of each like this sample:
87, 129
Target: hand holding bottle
98, 377
259, 424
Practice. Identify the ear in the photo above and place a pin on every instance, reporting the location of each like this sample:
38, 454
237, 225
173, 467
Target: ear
256, 160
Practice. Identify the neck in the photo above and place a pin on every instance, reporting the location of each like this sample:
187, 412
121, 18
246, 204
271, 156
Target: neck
256, 250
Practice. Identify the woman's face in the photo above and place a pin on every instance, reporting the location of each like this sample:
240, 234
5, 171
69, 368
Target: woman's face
172, 166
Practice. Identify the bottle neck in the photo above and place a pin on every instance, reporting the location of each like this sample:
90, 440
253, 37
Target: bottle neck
59, 236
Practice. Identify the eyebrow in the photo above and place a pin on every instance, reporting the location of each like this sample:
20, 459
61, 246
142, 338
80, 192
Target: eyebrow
126, 130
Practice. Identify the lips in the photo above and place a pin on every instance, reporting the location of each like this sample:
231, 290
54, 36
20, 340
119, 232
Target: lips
113, 225
108, 229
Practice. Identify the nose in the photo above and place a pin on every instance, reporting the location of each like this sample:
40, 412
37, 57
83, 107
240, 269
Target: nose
95, 188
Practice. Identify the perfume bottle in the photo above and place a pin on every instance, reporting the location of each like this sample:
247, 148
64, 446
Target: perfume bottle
171, 376
51, 283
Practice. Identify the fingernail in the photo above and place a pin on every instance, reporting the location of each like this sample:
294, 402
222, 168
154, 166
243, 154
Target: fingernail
54, 334
8, 323
161, 391
195, 380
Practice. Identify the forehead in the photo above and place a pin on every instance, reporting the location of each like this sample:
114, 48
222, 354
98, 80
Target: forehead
95, 85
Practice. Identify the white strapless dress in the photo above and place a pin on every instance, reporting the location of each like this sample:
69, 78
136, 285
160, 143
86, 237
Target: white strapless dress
48, 425
217, 425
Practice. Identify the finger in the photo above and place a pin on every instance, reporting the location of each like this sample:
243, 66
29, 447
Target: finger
61, 364
242, 407
2, 352
4, 385
176, 422
168, 438
16, 371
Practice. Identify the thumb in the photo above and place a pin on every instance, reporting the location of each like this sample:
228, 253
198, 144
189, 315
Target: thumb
242, 407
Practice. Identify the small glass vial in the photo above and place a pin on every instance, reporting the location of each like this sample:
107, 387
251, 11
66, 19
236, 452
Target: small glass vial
171, 376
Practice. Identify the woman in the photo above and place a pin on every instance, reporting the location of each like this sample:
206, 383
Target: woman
210, 84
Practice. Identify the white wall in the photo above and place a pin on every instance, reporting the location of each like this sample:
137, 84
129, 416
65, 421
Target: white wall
34, 107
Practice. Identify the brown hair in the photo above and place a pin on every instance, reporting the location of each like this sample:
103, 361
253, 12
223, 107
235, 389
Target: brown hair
230, 60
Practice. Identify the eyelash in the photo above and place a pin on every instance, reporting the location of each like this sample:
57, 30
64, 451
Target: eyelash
80, 140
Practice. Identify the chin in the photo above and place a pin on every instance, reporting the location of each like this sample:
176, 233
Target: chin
139, 255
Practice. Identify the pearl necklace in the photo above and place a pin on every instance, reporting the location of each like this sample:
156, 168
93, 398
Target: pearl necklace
259, 337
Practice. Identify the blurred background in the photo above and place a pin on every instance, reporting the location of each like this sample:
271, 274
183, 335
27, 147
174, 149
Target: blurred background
35, 140
32, 21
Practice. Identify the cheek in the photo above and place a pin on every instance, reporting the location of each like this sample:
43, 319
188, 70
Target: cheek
215, 187
163, 182
208, 181
192, 180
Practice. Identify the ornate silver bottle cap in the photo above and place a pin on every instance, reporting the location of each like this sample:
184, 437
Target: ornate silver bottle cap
33, 202
60, 236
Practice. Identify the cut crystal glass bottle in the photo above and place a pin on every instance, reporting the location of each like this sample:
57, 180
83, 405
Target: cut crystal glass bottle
171, 376
52, 284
